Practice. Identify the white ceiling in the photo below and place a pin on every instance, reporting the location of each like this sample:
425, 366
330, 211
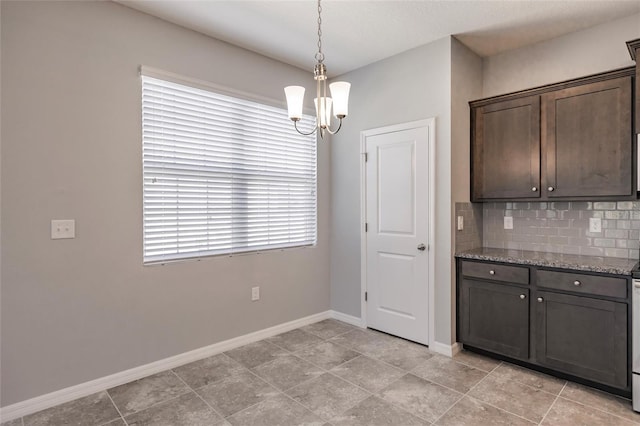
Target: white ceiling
357, 33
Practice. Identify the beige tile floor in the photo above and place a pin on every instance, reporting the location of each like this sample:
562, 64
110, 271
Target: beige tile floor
331, 373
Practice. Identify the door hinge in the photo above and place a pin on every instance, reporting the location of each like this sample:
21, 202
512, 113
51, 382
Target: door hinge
366, 227
366, 157
365, 296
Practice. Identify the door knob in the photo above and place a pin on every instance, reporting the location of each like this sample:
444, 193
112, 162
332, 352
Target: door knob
534, 189
551, 189
422, 247
522, 296
540, 300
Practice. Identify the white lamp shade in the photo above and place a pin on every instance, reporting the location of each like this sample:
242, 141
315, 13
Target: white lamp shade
340, 95
325, 110
295, 99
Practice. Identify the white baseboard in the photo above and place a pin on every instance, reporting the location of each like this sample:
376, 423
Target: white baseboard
61, 396
444, 349
349, 319
441, 348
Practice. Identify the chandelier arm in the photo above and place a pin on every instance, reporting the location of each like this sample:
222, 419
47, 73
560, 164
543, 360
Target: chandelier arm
333, 132
295, 124
318, 102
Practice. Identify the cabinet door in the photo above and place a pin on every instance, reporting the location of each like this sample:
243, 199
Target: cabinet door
637, 56
587, 140
634, 50
495, 317
506, 150
582, 336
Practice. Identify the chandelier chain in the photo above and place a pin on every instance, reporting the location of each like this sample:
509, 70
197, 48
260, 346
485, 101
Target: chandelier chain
325, 104
319, 55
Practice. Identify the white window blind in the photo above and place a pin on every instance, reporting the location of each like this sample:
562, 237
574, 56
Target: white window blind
222, 175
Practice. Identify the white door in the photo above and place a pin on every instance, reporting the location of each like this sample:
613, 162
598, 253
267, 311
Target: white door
397, 237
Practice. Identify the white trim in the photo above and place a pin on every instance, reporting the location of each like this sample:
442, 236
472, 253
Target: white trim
444, 349
363, 234
430, 124
33, 405
207, 85
349, 319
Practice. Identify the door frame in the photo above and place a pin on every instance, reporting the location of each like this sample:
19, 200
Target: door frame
430, 125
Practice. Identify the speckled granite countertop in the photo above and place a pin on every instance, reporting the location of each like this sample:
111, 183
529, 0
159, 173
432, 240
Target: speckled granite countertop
609, 265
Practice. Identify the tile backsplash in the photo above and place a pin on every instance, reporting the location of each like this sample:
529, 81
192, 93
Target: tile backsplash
470, 236
561, 227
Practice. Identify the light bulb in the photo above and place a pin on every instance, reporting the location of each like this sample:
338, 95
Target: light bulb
325, 110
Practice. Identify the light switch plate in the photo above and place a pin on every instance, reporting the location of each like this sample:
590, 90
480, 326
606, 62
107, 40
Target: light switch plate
508, 222
255, 294
61, 229
595, 224
460, 223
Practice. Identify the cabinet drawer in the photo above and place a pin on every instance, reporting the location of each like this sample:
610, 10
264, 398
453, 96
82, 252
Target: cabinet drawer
582, 283
491, 271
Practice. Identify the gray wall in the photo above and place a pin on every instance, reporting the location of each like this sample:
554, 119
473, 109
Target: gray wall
597, 49
75, 310
410, 86
466, 85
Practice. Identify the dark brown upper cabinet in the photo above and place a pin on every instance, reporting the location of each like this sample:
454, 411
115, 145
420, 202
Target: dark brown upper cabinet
506, 149
634, 51
587, 140
570, 141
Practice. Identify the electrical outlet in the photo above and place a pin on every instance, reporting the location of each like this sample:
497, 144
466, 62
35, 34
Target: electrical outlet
460, 223
255, 293
508, 222
595, 224
61, 229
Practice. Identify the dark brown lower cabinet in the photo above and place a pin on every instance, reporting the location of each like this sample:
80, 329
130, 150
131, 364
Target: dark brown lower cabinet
582, 336
570, 323
495, 317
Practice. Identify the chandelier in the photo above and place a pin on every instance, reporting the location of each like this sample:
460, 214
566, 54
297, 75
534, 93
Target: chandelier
324, 105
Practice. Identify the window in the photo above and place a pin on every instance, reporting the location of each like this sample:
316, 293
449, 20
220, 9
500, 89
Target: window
222, 175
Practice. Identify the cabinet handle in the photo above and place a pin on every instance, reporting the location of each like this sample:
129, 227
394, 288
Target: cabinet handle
550, 189
534, 189
540, 300
492, 272
577, 283
522, 296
